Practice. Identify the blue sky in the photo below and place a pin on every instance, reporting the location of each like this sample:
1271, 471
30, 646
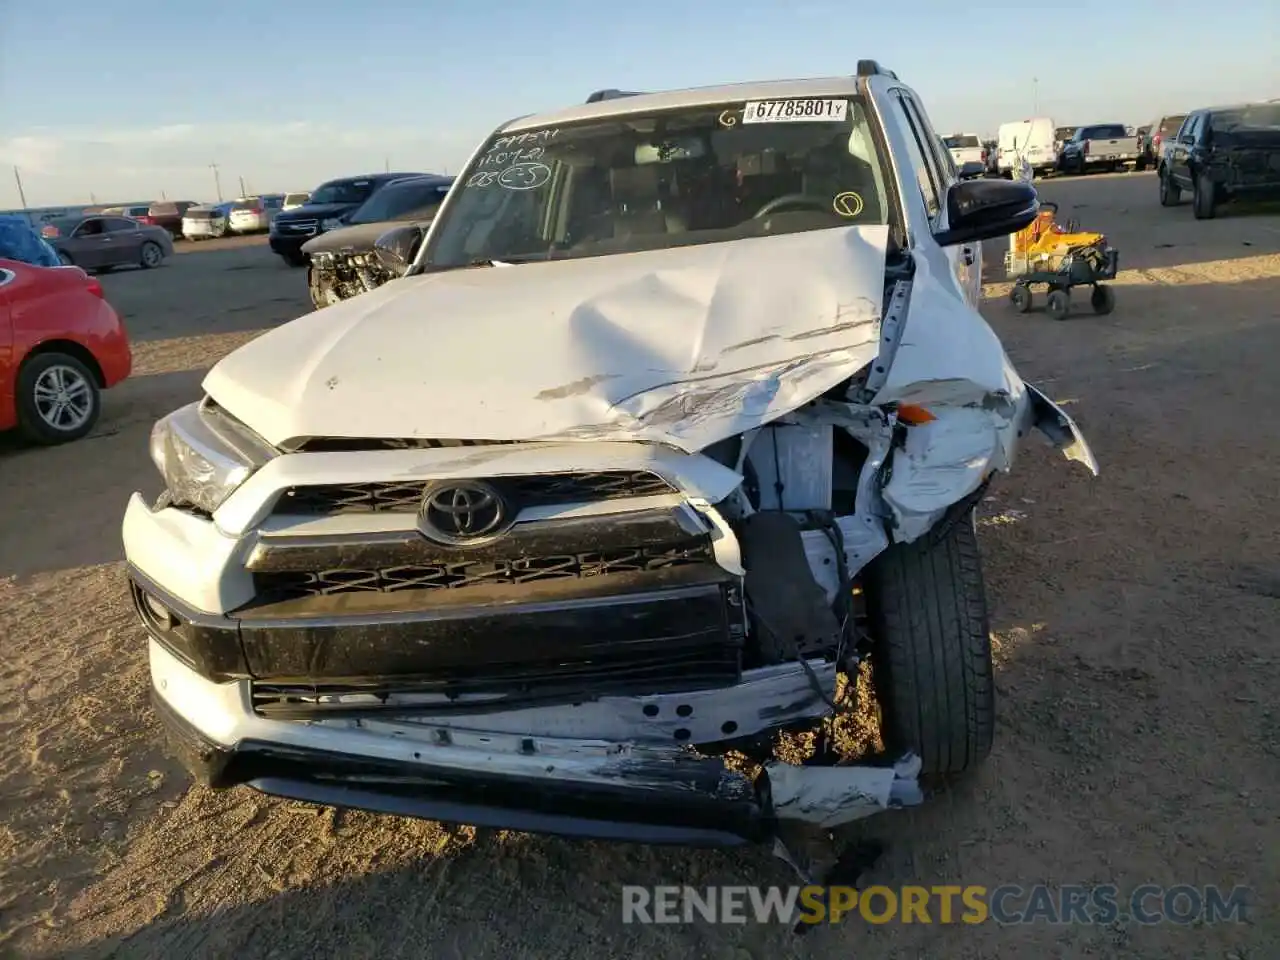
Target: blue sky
128, 99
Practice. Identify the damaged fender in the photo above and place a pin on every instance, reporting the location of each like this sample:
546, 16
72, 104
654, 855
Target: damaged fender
947, 360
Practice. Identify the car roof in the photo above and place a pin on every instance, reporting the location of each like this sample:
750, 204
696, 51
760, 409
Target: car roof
424, 179
690, 97
372, 176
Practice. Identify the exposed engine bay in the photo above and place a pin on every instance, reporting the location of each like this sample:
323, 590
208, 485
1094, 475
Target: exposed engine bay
337, 276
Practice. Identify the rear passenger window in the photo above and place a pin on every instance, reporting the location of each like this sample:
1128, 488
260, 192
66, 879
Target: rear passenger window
924, 166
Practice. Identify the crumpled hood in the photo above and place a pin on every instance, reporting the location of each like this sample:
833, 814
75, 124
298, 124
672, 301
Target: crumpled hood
684, 346
357, 238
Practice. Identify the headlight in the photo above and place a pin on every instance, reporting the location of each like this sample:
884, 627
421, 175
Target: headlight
330, 223
204, 456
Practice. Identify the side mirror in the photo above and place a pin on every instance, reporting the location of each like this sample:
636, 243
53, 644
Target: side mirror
986, 209
971, 170
397, 248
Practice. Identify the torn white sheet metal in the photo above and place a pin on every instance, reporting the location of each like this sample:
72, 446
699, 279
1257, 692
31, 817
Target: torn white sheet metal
947, 354
829, 797
766, 697
940, 463
684, 346
1054, 422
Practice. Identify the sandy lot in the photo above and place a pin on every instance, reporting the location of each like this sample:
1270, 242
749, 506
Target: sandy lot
1135, 620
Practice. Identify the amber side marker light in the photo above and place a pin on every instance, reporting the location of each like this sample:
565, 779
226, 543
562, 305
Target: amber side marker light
913, 414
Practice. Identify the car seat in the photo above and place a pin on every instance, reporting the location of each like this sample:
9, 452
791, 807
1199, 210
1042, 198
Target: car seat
638, 203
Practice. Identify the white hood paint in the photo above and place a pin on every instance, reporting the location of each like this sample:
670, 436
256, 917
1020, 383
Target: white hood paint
684, 346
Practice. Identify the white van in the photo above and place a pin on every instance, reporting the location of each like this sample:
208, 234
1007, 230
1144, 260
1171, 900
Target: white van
1033, 139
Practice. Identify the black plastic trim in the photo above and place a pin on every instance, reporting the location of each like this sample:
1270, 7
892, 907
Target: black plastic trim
698, 803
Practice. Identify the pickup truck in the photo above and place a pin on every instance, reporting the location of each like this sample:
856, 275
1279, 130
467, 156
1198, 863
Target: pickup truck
966, 148
1102, 145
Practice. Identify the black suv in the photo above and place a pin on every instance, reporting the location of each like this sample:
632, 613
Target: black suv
1222, 154
326, 210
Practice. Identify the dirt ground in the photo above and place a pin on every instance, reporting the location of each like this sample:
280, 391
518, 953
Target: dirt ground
1135, 622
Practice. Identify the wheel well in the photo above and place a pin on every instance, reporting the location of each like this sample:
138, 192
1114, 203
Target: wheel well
71, 349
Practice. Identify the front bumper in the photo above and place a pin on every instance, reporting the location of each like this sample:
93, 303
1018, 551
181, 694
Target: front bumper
287, 246
616, 687
599, 788
563, 786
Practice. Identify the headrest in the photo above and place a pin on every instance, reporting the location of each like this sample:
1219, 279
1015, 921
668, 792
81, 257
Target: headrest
630, 184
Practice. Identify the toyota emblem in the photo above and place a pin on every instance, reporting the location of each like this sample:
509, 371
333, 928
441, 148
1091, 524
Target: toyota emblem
462, 511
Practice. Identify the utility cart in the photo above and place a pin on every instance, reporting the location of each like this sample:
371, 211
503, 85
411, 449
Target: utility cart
1061, 257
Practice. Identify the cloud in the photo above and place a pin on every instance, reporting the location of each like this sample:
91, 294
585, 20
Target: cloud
69, 165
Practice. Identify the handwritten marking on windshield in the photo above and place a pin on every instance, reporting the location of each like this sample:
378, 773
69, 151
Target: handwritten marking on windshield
847, 204
518, 176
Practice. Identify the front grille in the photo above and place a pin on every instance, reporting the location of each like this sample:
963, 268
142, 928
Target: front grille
622, 671
297, 227
513, 573
537, 490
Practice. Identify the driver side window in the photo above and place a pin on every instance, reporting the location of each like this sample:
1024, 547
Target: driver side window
90, 228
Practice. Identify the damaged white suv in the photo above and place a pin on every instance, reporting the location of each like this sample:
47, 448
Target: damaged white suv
676, 416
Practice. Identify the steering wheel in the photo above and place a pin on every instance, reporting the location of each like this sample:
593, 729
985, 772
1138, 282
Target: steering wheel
794, 200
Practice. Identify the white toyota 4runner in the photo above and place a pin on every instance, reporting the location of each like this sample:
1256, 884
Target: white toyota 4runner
677, 414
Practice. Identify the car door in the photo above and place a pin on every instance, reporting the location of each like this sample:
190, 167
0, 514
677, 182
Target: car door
123, 243
935, 174
8, 364
87, 245
1180, 152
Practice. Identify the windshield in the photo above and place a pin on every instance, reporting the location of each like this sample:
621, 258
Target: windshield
402, 201
960, 142
1256, 116
1102, 131
253, 204
19, 241
296, 198
1170, 125
647, 181
343, 191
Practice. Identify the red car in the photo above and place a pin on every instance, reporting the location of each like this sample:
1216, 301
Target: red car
61, 344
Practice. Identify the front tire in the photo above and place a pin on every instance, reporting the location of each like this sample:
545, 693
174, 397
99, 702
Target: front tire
931, 652
1020, 297
65, 259
58, 399
1170, 193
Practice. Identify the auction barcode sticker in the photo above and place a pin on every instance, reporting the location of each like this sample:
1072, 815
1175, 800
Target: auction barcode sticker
790, 111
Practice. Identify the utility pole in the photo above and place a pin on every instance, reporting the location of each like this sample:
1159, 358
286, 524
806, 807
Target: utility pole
1035, 96
386, 163
243, 191
93, 201
217, 184
21, 195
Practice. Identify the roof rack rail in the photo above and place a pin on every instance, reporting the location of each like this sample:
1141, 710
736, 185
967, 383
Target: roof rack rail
870, 68
600, 95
